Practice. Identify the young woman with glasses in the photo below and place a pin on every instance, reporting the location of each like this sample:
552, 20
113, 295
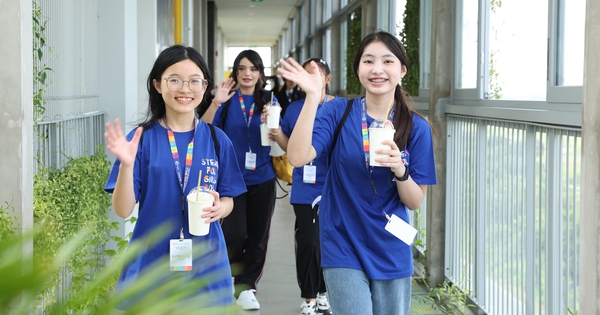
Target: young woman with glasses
158, 164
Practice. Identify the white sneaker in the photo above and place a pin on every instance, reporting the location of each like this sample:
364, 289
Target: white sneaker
323, 304
247, 300
308, 308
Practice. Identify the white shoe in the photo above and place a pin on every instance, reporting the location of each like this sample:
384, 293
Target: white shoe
323, 304
308, 308
247, 300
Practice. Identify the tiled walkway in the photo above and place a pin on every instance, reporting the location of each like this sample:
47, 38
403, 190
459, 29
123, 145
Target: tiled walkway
278, 292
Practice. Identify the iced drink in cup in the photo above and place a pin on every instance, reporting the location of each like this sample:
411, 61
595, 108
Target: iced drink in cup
197, 201
274, 113
264, 135
379, 132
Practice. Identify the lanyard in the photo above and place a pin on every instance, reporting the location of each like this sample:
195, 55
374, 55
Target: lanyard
366, 147
175, 153
188, 165
248, 117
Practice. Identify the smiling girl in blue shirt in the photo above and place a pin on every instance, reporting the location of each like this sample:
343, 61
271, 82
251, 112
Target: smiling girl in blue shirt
367, 269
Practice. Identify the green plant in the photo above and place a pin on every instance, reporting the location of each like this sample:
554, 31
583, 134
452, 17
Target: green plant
410, 40
450, 298
571, 312
353, 86
40, 70
7, 221
20, 285
419, 243
65, 201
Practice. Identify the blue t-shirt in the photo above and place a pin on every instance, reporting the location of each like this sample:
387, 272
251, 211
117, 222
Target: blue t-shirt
158, 191
246, 137
303, 193
352, 224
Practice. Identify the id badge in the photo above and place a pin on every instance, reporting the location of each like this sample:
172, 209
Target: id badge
250, 161
400, 229
309, 174
180, 255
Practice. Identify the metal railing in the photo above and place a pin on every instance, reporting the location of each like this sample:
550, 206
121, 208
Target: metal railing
512, 228
60, 139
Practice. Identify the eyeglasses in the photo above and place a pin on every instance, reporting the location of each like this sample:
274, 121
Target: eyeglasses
195, 85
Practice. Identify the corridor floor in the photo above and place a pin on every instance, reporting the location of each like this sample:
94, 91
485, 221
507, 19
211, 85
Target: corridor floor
278, 292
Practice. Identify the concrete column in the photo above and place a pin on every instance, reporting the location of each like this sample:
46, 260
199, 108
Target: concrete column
440, 88
16, 119
589, 239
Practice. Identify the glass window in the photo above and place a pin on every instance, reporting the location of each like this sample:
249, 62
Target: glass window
326, 10
466, 76
400, 7
304, 16
313, 16
425, 45
571, 43
341, 75
327, 45
517, 53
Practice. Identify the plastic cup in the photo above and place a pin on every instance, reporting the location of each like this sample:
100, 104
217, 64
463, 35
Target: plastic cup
276, 150
264, 135
376, 137
196, 203
273, 118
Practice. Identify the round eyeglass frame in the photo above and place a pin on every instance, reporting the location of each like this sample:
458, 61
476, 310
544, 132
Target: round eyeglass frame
204, 84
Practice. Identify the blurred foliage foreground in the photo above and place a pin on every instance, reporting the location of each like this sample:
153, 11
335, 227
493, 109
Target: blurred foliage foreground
71, 270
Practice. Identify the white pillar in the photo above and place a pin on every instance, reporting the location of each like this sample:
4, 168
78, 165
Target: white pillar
16, 112
589, 239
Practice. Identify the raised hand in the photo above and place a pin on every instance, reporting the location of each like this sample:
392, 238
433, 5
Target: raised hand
118, 145
224, 91
293, 71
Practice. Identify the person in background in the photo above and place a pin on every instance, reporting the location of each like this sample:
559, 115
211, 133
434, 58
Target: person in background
367, 268
307, 186
153, 169
246, 230
287, 93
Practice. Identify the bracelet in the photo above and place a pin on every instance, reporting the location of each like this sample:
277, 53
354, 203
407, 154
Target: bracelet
404, 177
213, 102
278, 131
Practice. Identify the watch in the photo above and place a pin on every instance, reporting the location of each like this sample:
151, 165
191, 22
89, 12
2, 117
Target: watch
404, 177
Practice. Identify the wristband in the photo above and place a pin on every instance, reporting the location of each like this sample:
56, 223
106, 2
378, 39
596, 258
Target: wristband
404, 177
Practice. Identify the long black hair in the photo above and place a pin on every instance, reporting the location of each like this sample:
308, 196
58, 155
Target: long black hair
403, 122
259, 88
167, 58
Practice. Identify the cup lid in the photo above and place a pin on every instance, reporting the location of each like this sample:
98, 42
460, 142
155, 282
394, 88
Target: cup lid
378, 123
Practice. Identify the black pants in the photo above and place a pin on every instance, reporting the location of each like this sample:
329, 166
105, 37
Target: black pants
308, 251
246, 232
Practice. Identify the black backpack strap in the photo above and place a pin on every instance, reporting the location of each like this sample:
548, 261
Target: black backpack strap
215, 141
224, 114
339, 128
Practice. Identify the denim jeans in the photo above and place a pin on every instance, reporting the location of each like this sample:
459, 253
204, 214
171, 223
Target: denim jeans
352, 292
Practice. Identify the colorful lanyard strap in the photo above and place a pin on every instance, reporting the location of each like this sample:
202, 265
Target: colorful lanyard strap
247, 117
366, 147
175, 153
188, 165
